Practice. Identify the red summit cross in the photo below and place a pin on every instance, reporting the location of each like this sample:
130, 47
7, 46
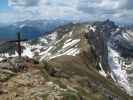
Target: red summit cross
18, 43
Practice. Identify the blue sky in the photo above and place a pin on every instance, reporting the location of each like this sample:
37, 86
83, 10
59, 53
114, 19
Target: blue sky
4, 5
19, 10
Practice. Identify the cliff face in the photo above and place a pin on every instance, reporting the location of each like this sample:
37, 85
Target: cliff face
99, 37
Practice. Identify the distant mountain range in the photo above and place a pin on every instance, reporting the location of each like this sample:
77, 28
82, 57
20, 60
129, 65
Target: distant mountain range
29, 29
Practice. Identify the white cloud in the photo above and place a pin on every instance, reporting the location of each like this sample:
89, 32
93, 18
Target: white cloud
76, 9
23, 3
118, 10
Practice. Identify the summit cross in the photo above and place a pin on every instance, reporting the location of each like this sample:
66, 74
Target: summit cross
18, 42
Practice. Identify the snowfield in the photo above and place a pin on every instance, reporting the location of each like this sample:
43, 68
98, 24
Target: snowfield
117, 70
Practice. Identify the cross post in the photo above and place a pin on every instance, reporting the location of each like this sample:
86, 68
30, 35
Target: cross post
18, 42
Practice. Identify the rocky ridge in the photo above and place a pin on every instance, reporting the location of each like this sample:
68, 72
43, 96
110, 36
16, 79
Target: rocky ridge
71, 66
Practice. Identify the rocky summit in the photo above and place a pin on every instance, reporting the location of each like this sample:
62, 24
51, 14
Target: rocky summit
74, 62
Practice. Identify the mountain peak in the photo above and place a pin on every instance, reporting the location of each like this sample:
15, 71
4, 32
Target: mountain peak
75, 54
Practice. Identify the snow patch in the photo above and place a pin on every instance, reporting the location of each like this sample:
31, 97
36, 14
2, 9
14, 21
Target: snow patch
93, 28
43, 40
27, 52
68, 41
52, 36
71, 43
70, 34
102, 72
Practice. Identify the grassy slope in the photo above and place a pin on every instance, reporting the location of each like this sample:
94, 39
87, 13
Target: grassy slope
85, 79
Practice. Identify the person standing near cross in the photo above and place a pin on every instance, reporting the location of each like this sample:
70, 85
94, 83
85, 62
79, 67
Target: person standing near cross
18, 41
